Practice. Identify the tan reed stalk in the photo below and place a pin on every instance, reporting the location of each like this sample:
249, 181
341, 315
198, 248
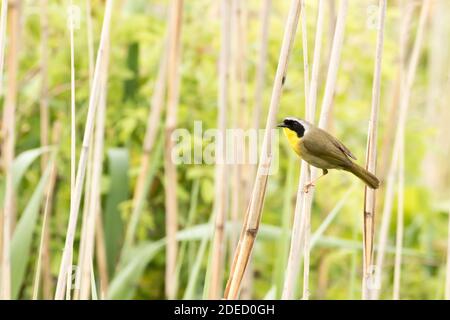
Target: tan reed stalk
72, 106
153, 125
303, 206
45, 231
389, 133
400, 214
94, 199
447, 272
331, 24
253, 214
371, 155
406, 86
243, 172
99, 232
90, 40
309, 117
8, 136
72, 126
76, 196
235, 194
3, 19
173, 92
262, 62
44, 116
90, 161
84, 223
218, 243
100, 250
259, 93
44, 119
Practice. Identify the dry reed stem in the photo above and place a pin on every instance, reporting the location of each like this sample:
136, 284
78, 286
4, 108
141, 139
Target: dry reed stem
218, 243
236, 117
73, 134
371, 154
406, 86
72, 106
90, 40
94, 199
400, 214
3, 20
447, 273
262, 62
45, 231
173, 92
303, 206
253, 214
45, 225
43, 103
100, 249
99, 232
8, 137
44, 130
76, 196
309, 117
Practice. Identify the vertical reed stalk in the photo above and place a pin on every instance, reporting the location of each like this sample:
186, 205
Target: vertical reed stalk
262, 61
303, 205
173, 92
447, 273
236, 115
99, 232
8, 136
73, 134
100, 249
371, 155
218, 243
45, 231
3, 19
90, 40
400, 214
305, 166
94, 204
76, 196
45, 118
406, 85
253, 215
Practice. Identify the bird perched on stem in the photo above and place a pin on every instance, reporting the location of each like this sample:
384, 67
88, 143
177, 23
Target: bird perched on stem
321, 150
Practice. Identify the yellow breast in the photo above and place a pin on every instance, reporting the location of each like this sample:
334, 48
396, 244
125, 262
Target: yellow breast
293, 140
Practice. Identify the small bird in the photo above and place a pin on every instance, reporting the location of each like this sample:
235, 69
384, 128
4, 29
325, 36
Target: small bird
321, 150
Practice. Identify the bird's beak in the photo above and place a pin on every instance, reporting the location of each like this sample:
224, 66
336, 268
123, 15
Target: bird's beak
281, 125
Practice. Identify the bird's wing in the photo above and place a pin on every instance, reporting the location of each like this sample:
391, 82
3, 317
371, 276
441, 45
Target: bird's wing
326, 146
341, 146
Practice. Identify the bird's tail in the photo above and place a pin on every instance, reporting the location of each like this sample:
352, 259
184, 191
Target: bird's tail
370, 179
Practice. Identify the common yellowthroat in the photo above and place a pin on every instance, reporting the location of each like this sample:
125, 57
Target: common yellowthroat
321, 150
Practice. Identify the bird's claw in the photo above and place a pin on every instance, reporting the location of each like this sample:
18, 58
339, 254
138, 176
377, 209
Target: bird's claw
307, 186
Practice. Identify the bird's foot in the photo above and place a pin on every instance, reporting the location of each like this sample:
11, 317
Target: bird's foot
307, 186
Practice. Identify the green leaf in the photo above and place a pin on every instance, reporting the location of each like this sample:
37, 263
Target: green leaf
20, 166
124, 284
21, 239
23, 162
118, 161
